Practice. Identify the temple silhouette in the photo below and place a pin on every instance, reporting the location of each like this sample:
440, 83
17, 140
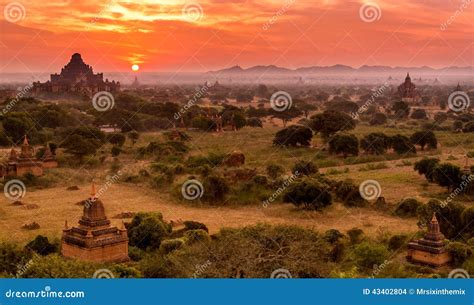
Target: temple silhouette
76, 77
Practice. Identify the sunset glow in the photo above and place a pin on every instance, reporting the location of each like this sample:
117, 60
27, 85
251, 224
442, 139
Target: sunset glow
212, 34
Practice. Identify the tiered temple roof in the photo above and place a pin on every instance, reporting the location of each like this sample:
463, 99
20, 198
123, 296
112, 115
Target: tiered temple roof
95, 239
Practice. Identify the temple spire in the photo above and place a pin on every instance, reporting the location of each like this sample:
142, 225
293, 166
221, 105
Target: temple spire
93, 190
25, 140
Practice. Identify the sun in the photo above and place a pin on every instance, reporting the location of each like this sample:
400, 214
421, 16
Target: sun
135, 68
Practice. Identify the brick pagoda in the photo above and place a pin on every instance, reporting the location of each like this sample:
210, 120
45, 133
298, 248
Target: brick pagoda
430, 250
95, 239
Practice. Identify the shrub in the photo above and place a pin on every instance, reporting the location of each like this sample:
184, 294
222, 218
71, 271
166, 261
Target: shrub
170, 245
304, 168
369, 254
447, 175
378, 119
397, 241
332, 236
459, 252
424, 138
194, 225
254, 122
309, 194
467, 219
402, 145
344, 144
375, 143
195, 236
115, 151
407, 208
116, 139
147, 230
274, 170
11, 256
294, 135
215, 189
426, 166
349, 194
41, 245
260, 180
356, 235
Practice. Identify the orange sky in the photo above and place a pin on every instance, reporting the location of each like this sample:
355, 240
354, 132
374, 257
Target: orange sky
40, 36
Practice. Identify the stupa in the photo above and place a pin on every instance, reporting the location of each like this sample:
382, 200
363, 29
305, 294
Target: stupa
430, 250
95, 239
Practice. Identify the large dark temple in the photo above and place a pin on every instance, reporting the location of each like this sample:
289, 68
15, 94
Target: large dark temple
76, 77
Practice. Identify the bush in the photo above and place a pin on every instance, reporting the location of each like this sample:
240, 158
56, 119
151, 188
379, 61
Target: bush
459, 252
397, 241
426, 166
344, 144
407, 208
369, 254
375, 143
309, 194
194, 225
115, 151
260, 180
147, 230
402, 145
170, 245
294, 135
467, 219
349, 194
195, 236
356, 235
274, 170
332, 236
116, 139
42, 246
215, 189
306, 168
254, 122
11, 256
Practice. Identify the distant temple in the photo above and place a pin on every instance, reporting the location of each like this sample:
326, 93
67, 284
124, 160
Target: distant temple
430, 250
95, 239
407, 91
76, 77
26, 161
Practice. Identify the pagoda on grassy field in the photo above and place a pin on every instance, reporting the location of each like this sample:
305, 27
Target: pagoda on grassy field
95, 239
407, 91
430, 250
22, 163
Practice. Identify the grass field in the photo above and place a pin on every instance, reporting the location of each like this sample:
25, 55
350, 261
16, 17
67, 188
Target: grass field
395, 175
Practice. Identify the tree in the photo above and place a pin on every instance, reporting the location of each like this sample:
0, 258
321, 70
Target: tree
41, 245
306, 168
447, 175
147, 230
378, 119
401, 109
375, 143
254, 122
133, 136
402, 145
369, 254
274, 170
309, 194
294, 135
426, 166
419, 114
286, 115
116, 138
469, 127
424, 138
215, 189
448, 215
115, 151
344, 144
80, 146
305, 107
440, 117
457, 125
342, 106
330, 122
18, 124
